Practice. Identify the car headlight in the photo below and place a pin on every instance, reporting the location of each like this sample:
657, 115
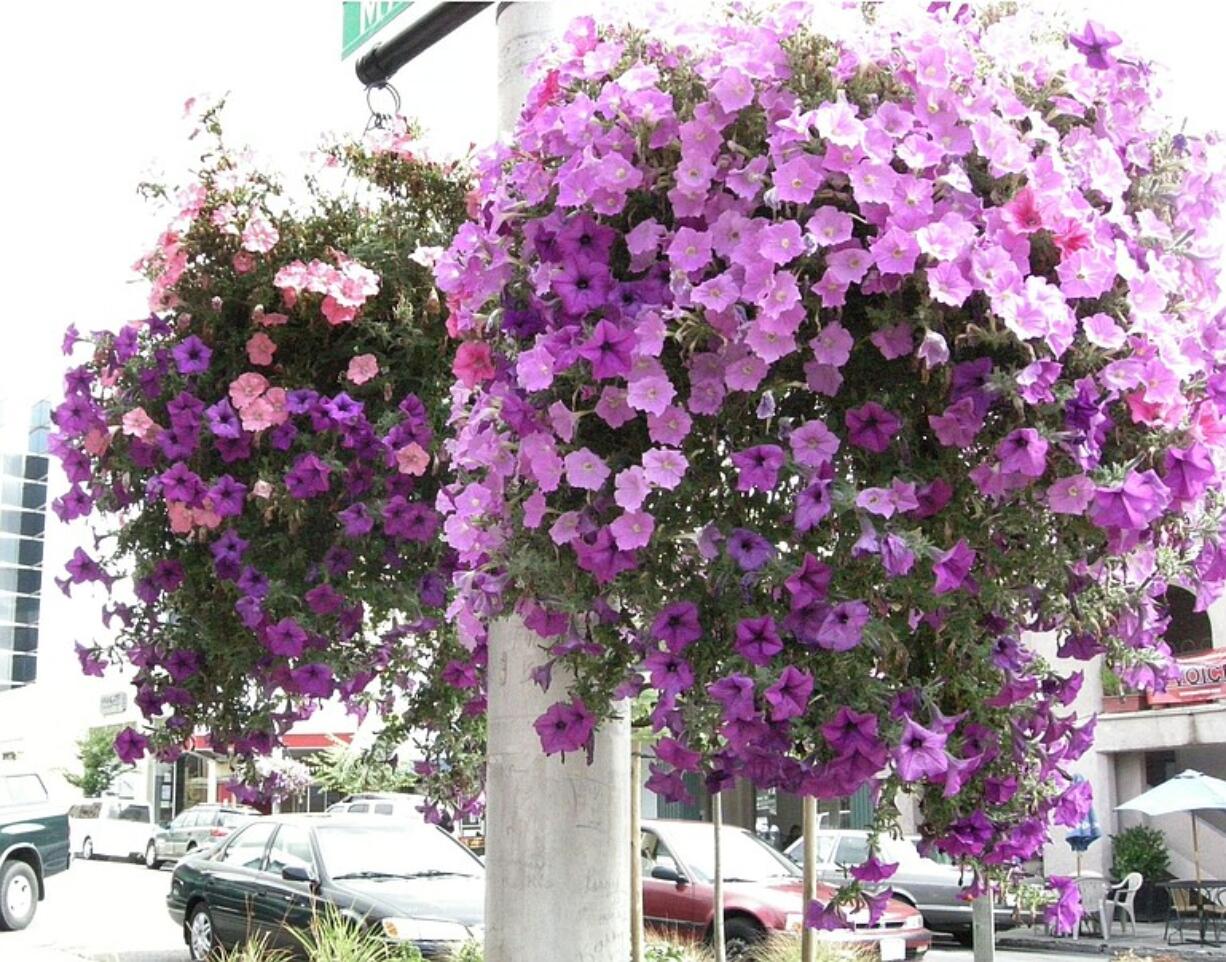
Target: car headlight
424, 930
913, 922
793, 922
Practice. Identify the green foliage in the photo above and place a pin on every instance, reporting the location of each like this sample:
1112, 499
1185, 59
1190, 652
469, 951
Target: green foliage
100, 766
468, 952
677, 952
341, 769
1140, 849
786, 948
256, 950
333, 937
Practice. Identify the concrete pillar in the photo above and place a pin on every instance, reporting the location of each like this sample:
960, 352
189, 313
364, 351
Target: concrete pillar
740, 805
984, 923
524, 31
557, 855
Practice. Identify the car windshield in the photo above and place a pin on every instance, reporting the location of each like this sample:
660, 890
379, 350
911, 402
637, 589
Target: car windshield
743, 858
362, 851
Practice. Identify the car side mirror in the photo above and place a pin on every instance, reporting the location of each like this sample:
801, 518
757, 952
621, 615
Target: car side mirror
296, 873
665, 874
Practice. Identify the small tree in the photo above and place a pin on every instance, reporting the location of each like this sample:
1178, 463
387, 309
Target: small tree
100, 766
347, 771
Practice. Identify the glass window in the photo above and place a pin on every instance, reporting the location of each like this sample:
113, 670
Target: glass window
359, 808
392, 850
655, 854
85, 810
22, 789
246, 848
134, 813
853, 850
383, 808
232, 819
33, 523
825, 847
744, 856
291, 849
35, 467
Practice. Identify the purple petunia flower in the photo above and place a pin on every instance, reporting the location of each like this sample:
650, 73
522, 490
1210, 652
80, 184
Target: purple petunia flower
758, 467
788, 697
285, 638
357, 521
308, 477
608, 350
1064, 914
314, 679
668, 672
677, 625
1131, 506
1023, 452
228, 496
749, 549
920, 752
871, 426
952, 568
131, 746
223, 421
192, 355
843, 626
757, 640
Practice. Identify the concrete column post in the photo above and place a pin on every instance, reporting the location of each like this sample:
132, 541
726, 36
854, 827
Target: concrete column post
983, 922
557, 832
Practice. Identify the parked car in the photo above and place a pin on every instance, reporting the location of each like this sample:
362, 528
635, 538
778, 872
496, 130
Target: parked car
932, 886
111, 827
762, 893
200, 826
379, 803
34, 844
404, 882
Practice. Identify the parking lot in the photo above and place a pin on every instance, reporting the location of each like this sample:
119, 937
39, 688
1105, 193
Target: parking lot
110, 911
104, 911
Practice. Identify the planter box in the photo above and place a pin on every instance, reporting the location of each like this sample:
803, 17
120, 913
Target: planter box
1120, 703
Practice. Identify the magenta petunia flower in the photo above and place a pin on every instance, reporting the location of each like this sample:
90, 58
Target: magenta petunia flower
1096, 41
813, 444
668, 672
131, 746
608, 350
1131, 506
810, 582
958, 425
285, 638
565, 727
1071, 495
871, 426
633, 530
749, 549
314, 679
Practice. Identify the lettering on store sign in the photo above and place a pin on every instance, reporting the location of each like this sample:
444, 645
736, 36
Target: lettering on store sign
113, 704
1202, 674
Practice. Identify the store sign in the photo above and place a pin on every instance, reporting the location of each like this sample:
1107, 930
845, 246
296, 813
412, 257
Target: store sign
114, 704
362, 20
1202, 678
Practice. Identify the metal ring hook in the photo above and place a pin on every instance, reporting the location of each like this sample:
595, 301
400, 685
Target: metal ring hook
379, 119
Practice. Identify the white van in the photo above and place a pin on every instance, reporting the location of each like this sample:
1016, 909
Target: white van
111, 826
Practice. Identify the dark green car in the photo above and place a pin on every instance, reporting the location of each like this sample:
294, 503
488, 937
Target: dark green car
33, 845
403, 882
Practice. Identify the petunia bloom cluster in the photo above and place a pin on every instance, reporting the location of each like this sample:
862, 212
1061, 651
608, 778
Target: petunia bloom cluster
805, 378
260, 455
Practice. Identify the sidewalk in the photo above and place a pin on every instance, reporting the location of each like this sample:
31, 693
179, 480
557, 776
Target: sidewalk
1148, 942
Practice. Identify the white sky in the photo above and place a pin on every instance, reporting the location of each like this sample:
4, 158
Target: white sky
91, 101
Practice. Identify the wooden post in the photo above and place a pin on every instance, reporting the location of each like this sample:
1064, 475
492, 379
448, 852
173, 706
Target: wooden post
983, 927
808, 944
717, 817
636, 859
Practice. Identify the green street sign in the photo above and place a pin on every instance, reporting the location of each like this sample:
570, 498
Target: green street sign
362, 19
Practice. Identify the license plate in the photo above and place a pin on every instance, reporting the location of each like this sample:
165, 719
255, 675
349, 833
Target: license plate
893, 949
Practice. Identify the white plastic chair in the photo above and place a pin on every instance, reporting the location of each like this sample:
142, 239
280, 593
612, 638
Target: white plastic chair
1122, 898
1096, 907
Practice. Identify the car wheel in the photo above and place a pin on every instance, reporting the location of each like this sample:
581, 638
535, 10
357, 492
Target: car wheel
740, 937
966, 937
87, 849
151, 857
202, 941
18, 896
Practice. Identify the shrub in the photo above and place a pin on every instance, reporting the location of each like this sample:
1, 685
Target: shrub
1140, 849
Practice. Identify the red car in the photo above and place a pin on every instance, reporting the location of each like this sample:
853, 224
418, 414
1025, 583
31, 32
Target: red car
762, 893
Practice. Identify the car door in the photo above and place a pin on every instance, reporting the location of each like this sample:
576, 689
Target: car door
282, 905
169, 845
233, 881
668, 907
134, 826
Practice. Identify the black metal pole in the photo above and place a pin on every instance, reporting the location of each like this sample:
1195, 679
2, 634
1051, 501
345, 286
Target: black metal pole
383, 60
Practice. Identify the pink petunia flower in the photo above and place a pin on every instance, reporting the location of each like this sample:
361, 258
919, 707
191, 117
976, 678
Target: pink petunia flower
362, 368
260, 349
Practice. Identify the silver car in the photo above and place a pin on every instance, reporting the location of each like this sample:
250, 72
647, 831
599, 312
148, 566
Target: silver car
199, 827
933, 887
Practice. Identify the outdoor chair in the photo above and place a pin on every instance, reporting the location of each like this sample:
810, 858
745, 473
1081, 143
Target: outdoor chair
1123, 896
1096, 907
1185, 905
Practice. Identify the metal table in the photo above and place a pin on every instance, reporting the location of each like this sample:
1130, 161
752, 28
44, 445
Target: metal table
1210, 892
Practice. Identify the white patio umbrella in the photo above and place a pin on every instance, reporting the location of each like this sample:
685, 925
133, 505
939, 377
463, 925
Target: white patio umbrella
1189, 792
